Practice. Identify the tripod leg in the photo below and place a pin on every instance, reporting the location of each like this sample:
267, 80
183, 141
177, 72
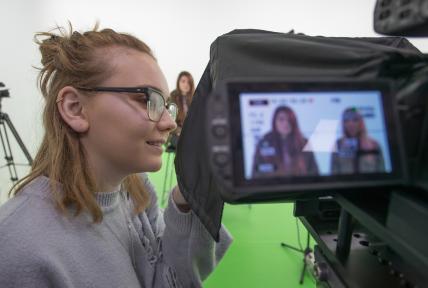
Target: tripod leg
298, 241
291, 247
305, 252
7, 151
305, 264
302, 274
165, 181
308, 240
17, 138
171, 172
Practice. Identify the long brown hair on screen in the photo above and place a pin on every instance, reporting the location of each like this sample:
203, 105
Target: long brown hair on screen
295, 140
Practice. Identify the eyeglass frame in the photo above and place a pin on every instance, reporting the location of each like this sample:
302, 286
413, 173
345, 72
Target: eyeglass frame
137, 90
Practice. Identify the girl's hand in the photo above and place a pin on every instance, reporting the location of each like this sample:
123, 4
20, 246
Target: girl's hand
179, 200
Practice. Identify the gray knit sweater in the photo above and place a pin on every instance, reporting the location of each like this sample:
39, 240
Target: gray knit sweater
40, 247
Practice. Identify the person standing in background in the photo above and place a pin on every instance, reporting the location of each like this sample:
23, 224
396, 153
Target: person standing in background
355, 151
182, 97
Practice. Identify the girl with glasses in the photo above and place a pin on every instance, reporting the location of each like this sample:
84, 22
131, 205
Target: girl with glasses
87, 215
182, 97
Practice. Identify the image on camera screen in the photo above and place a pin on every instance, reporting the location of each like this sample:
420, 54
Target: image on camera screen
289, 134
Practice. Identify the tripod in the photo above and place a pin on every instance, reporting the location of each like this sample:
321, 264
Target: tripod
307, 252
171, 146
5, 122
168, 177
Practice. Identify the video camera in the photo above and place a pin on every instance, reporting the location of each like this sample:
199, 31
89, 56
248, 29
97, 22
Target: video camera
336, 125
4, 92
247, 156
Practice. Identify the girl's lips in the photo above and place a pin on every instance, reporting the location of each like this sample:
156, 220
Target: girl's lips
156, 145
159, 142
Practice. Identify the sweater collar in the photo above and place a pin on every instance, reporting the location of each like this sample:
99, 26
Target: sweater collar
107, 199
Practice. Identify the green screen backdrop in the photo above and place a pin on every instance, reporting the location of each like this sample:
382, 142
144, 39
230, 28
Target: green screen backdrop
255, 258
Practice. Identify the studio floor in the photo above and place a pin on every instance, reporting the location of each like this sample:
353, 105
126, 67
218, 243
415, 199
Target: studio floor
255, 258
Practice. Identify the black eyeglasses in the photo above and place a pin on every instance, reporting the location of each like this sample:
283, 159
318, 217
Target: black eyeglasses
155, 100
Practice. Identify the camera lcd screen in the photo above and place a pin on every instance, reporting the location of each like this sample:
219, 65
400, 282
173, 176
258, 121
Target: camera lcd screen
312, 133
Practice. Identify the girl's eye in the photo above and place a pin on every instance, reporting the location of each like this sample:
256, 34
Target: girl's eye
142, 99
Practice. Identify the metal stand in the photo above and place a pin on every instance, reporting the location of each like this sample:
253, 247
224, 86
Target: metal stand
167, 182
307, 252
5, 122
372, 241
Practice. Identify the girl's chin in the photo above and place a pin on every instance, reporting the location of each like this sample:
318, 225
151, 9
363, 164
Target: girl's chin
153, 167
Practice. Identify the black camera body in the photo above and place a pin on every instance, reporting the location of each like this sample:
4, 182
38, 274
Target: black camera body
364, 221
378, 240
4, 92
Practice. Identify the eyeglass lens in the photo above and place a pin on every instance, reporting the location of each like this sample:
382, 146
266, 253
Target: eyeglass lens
173, 110
156, 106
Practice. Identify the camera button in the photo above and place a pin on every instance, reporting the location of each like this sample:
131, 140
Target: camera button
221, 159
219, 131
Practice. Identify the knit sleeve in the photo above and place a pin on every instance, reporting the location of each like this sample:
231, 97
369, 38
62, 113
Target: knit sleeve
189, 248
25, 261
25, 273
189, 254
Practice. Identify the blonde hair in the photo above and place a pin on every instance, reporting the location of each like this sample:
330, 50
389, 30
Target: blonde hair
73, 58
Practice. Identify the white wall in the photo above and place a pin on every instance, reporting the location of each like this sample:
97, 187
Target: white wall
18, 19
179, 32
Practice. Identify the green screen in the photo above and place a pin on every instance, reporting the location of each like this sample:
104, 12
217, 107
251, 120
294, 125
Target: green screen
255, 258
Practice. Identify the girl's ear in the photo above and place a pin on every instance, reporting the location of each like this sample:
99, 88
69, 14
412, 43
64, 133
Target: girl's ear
70, 103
